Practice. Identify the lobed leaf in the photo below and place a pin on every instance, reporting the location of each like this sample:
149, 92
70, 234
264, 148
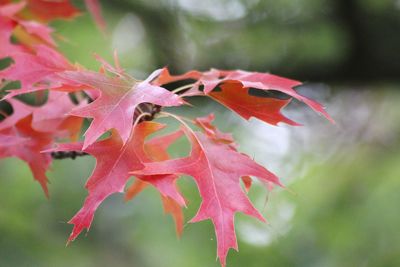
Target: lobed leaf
217, 169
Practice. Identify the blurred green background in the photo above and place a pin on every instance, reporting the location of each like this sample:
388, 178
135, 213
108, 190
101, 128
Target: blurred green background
344, 179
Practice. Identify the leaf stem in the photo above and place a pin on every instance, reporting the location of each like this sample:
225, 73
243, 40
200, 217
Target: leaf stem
181, 119
4, 84
182, 88
3, 113
144, 114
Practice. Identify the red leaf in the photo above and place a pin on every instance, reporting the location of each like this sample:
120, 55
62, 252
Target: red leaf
235, 84
43, 32
94, 8
30, 69
50, 117
247, 181
28, 33
237, 98
7, 25
172, 207
20, 111
211, 131
53, 116
9, 9
266, 81
71, 125
114, 161
156, 150
136, 187
165, 77
217, 169
30, 130
10, 140
119, 99
47, 10
28, 148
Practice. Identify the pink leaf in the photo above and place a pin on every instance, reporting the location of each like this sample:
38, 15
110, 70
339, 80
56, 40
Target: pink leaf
115, 107
94, 8
114, 162
217, 169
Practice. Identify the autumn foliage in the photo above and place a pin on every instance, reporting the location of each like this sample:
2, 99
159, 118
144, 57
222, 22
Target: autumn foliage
122, 112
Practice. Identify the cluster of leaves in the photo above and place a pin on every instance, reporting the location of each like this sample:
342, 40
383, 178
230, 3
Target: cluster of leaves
121, 111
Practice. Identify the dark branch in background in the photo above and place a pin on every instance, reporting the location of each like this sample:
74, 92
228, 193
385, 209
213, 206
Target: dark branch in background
369, 37
69, 154
162, 28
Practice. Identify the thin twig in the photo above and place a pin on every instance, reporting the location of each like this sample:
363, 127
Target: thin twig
3, 113
3, 84
67, 154
182, 88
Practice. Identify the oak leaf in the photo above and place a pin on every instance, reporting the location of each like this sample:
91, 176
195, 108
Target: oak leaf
30, 130
94, 8
119, 98
48, 10
156, 150
205, 124
36, 71
7, 26
28, 148
217, 168
114, 162
234, 94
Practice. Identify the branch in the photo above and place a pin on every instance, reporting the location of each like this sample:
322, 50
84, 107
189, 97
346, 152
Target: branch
144, 108
67, 154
